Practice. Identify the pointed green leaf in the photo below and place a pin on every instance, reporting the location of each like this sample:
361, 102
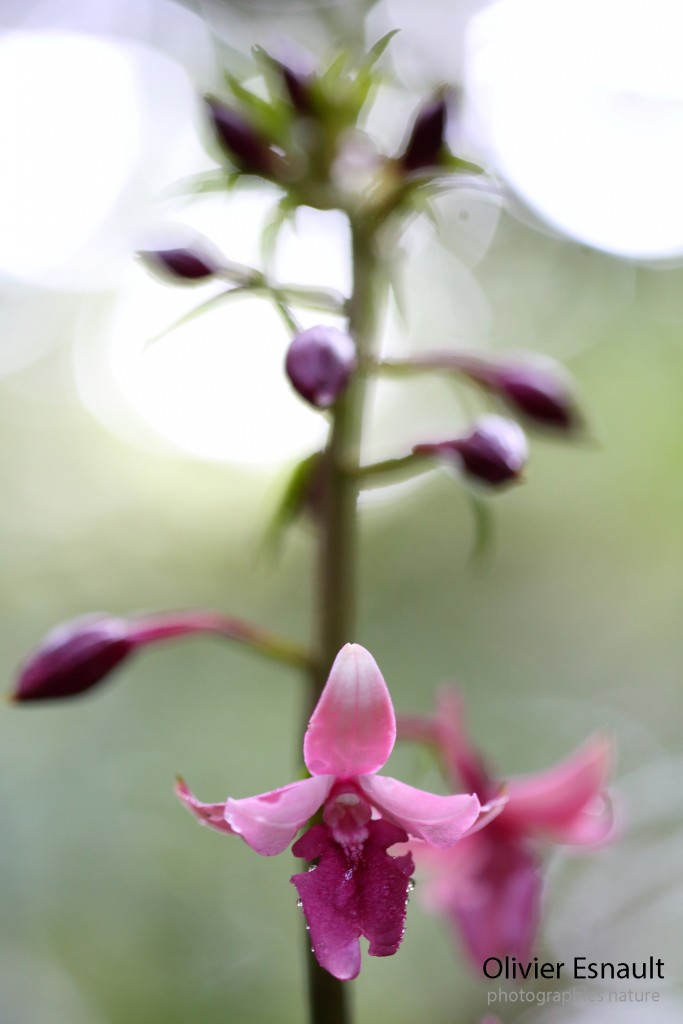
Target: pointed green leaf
332, 75
395, 284
376, 51
291, 502
483, 531
455, 163
270, 117
199, 310
283, 211
198, 184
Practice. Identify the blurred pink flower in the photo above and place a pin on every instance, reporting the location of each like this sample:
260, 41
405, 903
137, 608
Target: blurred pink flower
355, 888
489, 887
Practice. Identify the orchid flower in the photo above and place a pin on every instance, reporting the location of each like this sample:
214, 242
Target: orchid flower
490, 886
355, 887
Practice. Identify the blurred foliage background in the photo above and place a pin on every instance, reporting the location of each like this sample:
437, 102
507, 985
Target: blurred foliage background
115, 906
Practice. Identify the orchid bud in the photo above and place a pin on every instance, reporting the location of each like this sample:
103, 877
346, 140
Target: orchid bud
79, 654
74, 657
319, 364
540, 396
426, 141
539, 391
298, 86
494, 453
181, 264
245, 147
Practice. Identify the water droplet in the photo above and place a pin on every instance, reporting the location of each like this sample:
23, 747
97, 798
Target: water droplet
299, 903
411, 884
312, 868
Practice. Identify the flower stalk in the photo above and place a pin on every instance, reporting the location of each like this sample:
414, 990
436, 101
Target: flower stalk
338, 544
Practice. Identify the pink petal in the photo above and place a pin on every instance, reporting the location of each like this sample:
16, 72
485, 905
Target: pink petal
439, 820
269, 822
353, 728
212, 815
566, 803
464, 764
489, 811
329, 897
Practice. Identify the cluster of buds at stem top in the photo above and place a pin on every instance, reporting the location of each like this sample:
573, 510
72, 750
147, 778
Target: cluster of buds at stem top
78, 655
319, 364
425, 145
243, 144
494, 453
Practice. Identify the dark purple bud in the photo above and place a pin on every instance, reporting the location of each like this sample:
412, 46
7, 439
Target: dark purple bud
319, 364
426, 141
543, 397
494, 453
180, 264
540, 392
298, 86
243, 144
79, 654
74, 657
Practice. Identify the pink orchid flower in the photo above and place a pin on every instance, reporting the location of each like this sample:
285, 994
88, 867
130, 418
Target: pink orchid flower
490, 886
355, 886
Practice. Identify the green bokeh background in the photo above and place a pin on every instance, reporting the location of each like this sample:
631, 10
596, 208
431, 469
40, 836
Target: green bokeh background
114, 905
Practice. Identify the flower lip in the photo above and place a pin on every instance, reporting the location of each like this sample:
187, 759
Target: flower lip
353, 893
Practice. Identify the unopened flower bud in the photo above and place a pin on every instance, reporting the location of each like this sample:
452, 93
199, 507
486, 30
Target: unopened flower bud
539, 391
298, 86
180, 264
79, 654
426, 141
243, 144
494, 453
74, 657
319, 364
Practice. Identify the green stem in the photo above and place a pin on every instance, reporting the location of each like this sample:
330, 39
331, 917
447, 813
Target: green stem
404, 466
460, 363
336, 600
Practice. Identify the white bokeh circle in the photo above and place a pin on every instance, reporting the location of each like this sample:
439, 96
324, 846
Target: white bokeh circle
578, 104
